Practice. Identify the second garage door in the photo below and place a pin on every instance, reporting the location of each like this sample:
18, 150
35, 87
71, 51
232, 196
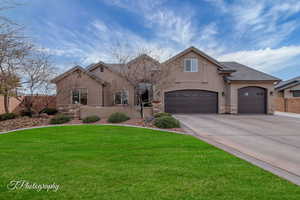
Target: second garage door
191, 101
252, 100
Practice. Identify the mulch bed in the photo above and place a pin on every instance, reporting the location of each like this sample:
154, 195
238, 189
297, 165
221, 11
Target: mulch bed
133, 122
27, 122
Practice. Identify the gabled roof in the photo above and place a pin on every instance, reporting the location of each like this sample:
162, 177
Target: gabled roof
287, 84
116, 67
94, 65
70, 71
142, 56
234, 71
245, 73
197, 51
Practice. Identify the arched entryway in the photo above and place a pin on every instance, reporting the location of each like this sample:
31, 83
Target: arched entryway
191, 101
252, 100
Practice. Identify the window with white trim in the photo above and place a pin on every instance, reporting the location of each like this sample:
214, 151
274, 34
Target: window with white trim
191, 65
121, 98
79, 96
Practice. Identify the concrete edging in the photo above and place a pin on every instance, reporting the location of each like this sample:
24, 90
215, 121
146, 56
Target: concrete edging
124, 125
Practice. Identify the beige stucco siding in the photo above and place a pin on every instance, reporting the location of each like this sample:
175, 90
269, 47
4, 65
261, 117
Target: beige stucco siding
115, 84
78, 80
288, 94
235, 86
207, 78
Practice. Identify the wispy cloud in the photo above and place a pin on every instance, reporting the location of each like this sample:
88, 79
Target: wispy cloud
98, 43
252, 32
176, 28
264, 22
268, 60
172, 33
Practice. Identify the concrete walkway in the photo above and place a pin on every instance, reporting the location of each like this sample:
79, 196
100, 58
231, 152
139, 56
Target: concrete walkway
271, 142
287, 114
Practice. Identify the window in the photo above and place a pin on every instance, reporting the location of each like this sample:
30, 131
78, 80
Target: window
121, 97
191, 65
79, 96
296, 93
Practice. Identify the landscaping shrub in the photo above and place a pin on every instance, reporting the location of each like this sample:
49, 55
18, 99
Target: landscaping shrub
49, 111
118, 117
91, 119
60, 119
7, 116
27, 113
147, 104
166, 122
162, 114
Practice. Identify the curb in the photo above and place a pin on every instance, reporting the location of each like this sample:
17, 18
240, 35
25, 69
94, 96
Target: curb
121, 125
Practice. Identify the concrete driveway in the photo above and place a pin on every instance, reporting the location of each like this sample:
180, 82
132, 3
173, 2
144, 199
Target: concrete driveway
272, 139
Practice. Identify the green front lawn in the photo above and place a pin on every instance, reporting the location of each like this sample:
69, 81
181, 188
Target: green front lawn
110, 162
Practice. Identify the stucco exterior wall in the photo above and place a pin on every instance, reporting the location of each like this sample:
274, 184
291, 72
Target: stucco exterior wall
207, 78
115, 84
79, 80
235, 86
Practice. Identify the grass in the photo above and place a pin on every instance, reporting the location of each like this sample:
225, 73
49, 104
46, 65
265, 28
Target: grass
110, 162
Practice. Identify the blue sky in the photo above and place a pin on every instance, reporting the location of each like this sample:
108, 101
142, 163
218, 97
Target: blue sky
264, 34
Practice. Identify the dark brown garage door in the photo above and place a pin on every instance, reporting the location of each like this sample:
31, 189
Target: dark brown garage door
252, 100
191, 101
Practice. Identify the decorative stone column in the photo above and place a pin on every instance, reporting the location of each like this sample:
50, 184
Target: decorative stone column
157, 106
157, 100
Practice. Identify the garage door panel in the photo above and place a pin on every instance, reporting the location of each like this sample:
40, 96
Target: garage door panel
191, 101
252, 100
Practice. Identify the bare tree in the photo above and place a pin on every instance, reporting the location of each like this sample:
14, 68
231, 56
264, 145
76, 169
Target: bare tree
23, 67
36, 74
13, 50
143, 71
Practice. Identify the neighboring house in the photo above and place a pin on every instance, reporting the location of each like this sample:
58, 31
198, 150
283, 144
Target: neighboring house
14, 103
288, 93
200, 84
17, 105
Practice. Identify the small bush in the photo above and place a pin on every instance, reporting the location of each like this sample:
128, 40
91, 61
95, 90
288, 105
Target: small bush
7, 116
162, 114
60, 119
27, 113
166, 122
118, 117
91, 119
147, 104
49, 111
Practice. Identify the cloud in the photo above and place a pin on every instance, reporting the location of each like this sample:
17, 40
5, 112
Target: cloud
172, 32
268, 60
167, 23
98, 40
172, 27
264, 23
175, 27
253, 30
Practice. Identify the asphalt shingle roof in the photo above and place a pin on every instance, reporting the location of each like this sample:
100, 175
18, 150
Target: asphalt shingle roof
288, 82
245, 73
